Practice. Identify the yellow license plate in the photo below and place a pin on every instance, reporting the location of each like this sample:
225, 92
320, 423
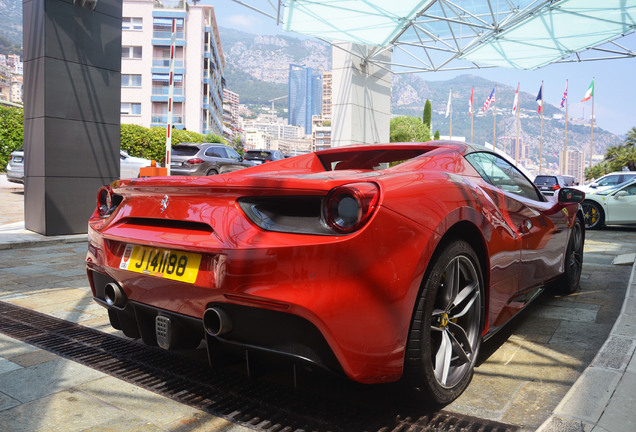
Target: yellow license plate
164, 263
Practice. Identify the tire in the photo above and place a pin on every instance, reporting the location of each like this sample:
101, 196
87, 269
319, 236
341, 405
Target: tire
568, 283
447, 325
211, 172
593, 214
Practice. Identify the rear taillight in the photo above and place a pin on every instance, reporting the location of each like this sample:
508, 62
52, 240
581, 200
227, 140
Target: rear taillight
107, 202
555, 187
348, 208
194, 161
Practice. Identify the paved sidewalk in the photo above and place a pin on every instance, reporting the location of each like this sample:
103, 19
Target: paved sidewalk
68, 395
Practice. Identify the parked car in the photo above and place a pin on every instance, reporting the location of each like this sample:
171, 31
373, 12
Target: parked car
608, 181
613, 206
204, 159
129, 166
377, 262
15, 167
262, 156
549, 184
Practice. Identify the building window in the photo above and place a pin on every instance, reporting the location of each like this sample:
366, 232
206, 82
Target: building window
130, 108
129, 23
162, 28
131, 52
128, 80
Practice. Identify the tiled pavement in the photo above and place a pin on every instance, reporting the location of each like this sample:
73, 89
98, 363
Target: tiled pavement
536, 374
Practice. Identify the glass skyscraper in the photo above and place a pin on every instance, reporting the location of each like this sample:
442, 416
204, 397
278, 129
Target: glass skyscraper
305, 96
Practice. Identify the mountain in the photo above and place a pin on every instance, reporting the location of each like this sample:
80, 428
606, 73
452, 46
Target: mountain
257, 69
11, 13
257, 66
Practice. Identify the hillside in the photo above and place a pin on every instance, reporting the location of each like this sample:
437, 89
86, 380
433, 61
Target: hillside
11, 12
257, 68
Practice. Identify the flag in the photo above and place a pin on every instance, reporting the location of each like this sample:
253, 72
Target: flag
589, 93
565, 94
490, 100
448, 105
470, 102
540, 98
516, 102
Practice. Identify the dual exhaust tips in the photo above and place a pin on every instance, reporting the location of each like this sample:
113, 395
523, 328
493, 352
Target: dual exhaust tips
216, 321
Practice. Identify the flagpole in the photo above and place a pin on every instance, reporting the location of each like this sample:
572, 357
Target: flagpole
541, 140
517, 109
592, 127
450, 99
471, 114
494, 116
565, 148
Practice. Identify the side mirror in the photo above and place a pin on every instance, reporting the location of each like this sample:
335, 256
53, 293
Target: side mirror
621, 193
571, 196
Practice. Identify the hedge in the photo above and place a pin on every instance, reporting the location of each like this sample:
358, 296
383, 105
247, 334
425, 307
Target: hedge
149, 143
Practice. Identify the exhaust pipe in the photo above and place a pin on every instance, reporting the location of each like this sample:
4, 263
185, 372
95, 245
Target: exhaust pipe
216, 321
114, 295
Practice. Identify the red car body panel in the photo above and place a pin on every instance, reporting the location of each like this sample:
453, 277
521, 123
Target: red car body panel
357, 289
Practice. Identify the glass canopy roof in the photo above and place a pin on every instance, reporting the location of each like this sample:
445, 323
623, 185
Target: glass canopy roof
430, 35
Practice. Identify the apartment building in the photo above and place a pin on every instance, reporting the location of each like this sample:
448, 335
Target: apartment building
145, 68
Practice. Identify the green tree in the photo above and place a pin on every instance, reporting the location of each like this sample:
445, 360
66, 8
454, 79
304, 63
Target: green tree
211, 138
408, 129
436, 138
11, 133
597, 170
427, 115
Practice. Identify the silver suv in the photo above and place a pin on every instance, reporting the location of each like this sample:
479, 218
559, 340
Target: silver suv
204, 159
15, 167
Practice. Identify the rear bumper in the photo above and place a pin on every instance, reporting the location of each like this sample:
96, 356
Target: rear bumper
349, 314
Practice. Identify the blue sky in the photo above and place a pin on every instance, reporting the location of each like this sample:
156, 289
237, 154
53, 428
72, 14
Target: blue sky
615, 80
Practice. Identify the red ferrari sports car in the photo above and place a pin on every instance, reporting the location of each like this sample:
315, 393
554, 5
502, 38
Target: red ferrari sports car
378, 262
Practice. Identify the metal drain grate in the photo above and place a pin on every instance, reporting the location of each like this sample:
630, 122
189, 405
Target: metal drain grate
259, 404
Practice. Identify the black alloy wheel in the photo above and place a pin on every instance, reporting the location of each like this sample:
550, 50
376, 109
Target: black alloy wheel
211, 172
569, 281
593, 214
446, 330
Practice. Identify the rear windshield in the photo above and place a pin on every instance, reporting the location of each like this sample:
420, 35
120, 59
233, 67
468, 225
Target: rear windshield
256, 154
368, 159
545, 181
185, 150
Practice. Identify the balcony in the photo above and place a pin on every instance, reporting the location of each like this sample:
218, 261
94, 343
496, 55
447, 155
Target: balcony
164, 90
161, 62
163, 119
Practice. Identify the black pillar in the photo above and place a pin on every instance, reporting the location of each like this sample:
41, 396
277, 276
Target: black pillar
72, 92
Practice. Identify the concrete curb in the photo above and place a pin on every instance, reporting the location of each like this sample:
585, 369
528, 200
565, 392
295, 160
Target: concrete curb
603, 398
15, 236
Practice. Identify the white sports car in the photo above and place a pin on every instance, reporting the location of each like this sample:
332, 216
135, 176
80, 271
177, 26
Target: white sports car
614, 206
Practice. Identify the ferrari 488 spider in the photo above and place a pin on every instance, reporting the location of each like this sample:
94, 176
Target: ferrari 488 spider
378, 262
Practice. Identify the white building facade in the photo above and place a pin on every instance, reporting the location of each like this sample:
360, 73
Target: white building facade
145, 68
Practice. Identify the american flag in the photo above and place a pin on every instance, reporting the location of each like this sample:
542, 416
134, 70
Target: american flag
490, 100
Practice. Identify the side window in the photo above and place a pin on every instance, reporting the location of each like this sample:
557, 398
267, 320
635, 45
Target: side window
500, 173
214, 152
609, 181
232, 154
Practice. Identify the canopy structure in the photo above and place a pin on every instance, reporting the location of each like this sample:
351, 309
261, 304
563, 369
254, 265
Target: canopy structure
435, 35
